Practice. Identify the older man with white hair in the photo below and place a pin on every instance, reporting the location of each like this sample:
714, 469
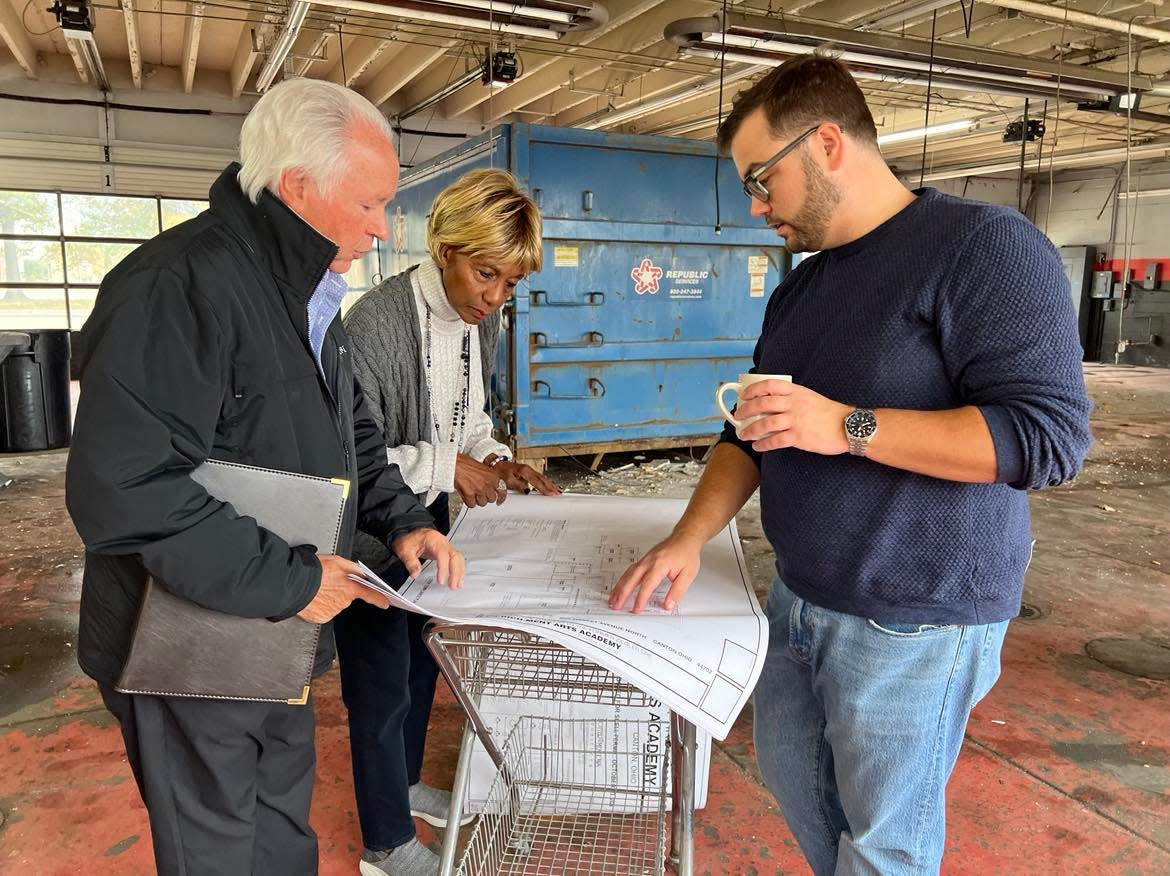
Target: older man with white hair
221, 339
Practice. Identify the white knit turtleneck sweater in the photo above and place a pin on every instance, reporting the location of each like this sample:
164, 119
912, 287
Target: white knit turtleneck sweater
429, 466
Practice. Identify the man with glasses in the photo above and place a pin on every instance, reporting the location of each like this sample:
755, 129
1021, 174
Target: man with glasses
936, 378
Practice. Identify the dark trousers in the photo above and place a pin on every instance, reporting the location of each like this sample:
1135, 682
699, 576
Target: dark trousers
226, 784
388, 684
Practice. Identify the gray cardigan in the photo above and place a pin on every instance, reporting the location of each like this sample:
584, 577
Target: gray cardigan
388, 362
386, 349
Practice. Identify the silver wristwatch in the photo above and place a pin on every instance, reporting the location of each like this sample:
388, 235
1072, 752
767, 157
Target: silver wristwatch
860, 427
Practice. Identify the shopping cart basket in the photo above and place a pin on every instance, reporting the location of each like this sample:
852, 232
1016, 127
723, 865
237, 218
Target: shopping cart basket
570, 796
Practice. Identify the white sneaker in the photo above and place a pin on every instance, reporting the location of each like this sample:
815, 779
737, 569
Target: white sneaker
412, 859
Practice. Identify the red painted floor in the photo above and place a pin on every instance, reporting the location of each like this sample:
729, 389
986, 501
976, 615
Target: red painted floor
1066, 767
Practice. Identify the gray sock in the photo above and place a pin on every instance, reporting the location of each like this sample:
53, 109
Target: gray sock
424, 798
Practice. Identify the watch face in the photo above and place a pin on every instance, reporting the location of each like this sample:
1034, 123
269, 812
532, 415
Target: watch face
861, 424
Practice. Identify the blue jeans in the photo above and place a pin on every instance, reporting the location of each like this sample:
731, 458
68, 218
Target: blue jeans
857, 728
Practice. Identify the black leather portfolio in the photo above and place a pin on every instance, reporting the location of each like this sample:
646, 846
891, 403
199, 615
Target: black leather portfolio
183, 649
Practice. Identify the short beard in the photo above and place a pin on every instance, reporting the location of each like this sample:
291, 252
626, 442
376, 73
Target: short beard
810, 226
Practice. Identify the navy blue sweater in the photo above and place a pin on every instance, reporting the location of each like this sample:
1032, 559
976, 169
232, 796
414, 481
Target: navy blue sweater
948, 303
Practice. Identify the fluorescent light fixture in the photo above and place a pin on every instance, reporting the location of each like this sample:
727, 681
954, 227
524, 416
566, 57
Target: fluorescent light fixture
891, 77
963, 125
77, 28
759, 39
507, 10
939, 71
1097, 157
427, 15
284, 44
1148, 193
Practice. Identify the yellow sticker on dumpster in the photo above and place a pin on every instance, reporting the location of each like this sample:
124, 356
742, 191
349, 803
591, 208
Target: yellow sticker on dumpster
566, 256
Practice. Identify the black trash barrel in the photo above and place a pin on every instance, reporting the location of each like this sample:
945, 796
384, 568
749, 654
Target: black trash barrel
34, 394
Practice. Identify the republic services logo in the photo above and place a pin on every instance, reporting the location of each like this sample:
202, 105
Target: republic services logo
646, 277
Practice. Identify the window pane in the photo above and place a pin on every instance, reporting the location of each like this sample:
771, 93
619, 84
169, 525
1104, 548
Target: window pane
174, 212
31, 309
108, 216
361, 275
31, 261
29, 213
90, 262
80, 306
349, 301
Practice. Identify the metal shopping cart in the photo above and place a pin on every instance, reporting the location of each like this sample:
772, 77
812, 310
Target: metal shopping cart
571, 796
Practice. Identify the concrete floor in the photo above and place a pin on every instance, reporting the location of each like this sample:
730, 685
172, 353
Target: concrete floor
1066, 766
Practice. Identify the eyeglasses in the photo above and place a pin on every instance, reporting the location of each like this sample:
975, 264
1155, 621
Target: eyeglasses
752, 187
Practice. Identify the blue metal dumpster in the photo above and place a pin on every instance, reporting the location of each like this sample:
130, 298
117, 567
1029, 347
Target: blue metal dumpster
641, 309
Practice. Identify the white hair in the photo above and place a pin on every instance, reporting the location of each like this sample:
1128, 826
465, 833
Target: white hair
304, 124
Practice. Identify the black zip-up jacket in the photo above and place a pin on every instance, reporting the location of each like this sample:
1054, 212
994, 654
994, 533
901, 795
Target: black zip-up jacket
198, 348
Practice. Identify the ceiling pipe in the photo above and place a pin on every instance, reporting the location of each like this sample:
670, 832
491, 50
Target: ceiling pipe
1059, 14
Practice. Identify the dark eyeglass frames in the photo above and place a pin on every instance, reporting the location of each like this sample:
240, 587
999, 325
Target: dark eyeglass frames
752, 187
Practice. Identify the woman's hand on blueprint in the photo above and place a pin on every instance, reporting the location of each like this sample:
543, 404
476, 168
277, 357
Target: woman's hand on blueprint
478, 485
676, 559
524, 478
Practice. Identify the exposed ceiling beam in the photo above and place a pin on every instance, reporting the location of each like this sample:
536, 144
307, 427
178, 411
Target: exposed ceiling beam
621, 12
657, 100
358, 56
407, 62
16, 38
621, 86
253, 37
192, 31
315, 53
130, 15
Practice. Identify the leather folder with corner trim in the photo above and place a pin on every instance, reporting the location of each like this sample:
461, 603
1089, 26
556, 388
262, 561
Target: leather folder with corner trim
182, 649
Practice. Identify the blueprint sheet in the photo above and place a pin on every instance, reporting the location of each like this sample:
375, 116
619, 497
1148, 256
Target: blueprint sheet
546, 565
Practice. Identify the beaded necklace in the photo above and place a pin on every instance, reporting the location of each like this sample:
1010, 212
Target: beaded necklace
460, 409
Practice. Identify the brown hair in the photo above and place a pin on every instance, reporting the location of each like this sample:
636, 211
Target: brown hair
802, 92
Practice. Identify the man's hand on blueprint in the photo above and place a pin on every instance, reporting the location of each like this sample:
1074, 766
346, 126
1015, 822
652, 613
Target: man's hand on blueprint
675, 558
430, 544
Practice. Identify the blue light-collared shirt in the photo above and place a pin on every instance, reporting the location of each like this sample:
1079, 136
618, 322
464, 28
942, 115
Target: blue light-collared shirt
324, 304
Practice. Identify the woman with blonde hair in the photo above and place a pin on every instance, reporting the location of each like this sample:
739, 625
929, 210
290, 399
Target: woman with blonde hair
423, 346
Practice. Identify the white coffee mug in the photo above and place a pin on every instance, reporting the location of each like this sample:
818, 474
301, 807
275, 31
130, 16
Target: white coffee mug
744, 381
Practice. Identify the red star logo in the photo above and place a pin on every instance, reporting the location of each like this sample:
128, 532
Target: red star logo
646, 277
